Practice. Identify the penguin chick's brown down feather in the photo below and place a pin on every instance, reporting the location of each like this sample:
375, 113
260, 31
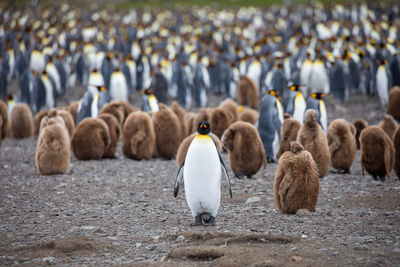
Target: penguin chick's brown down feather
21, 121
245, 148
115, 132
377, 152
168, 132
359, 125
389, 125
289, 130
138, 136
220, 121
342, 144
296, 181
393, 106
53, 148
38, 119
247, 93
312, 137
4, 116
90, 139
396, 142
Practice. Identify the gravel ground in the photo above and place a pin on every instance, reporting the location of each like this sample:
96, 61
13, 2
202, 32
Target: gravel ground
121, 211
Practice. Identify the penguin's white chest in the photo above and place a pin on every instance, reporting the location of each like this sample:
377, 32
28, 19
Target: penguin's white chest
299, 107
382, 83
202, 176
118, 87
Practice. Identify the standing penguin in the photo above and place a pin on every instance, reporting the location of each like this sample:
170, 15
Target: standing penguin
394, 103
382, 83
91, 104
269, 124
201, 172
247, 92
21, 122
312, 137
246, 151
359, 125
118, 86
342, 145
296, 104
389, 125
396, 143
319, 79
4, 120
316, 102
290, 128
296, 181
377, 152
149, 101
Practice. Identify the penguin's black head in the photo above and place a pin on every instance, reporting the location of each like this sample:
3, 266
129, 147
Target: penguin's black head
147, 92
204, 128
272, 92
101, 88
318, 95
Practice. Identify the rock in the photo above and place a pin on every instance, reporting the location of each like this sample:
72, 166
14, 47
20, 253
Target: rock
375, 262
180, 238
138, 244
323, 249
296, 258
360, 247
303, 212
303, 236
293, 249
88, 227
49, 260
396, 250
252, 200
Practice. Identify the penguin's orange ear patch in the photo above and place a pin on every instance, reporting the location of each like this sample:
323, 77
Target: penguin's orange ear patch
293, 88
314, 95
102, 88
323, 95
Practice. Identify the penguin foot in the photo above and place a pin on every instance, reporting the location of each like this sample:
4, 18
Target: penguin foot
239, 175
210, 222
346, 171
374, 177
270, 160
197, 221
382, 178
249, 177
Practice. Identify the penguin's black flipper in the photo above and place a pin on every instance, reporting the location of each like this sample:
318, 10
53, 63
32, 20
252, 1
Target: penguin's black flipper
178, 180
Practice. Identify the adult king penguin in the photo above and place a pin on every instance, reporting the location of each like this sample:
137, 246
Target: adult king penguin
201, 171
269, 124
296, 104
150, 102
317, 103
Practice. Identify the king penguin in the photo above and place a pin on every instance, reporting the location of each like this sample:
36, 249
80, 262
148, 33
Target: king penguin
92, 103
118, 86
296, 104
317, 103
382, 83
201, 171
150, 102
269, 124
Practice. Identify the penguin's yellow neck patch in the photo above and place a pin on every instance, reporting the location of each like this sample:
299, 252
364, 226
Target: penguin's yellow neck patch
202, 137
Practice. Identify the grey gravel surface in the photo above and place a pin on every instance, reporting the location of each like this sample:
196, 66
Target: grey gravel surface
120, 211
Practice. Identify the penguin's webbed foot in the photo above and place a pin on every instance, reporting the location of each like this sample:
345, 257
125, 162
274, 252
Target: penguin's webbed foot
239, 175
346, 171
197, 221
210, 222
382, 178
270, 160
374, 177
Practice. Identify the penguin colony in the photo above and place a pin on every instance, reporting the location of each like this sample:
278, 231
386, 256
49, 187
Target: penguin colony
282, 69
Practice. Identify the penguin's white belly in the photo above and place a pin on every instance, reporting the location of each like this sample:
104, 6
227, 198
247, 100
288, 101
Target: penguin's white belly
202, 177
118, 88
382, 85
299, 108
49, 93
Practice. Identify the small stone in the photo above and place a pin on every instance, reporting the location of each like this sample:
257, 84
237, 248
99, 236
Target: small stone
180, 238
303, 212
396, 250
88, 227
303, 236
296, 258
323, 249
138, 244
360, 247
252, 200
375, 262
49, 260
293, 249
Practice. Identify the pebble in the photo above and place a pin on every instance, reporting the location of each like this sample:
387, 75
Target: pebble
396, 250
49, 260
180, 238
360, 247
296, 258
252, 200
303, 212
375, 262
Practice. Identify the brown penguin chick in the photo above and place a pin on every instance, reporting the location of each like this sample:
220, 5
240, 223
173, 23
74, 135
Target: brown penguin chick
396, 143
377, 152
128, 109
286, 116
180, 113
220, 121
90, 139
394, 103
245, 149
184, 146
389, 125
248, 115
312, 137
114, 130
68, 121
342, 145
231, 106
4, 118
247, 92
116, 109
53, 147
168, 132
138, 136
289, 130
359, 125
21, 122
190, 118
296, 181
204, 114
73, 109
38, 119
